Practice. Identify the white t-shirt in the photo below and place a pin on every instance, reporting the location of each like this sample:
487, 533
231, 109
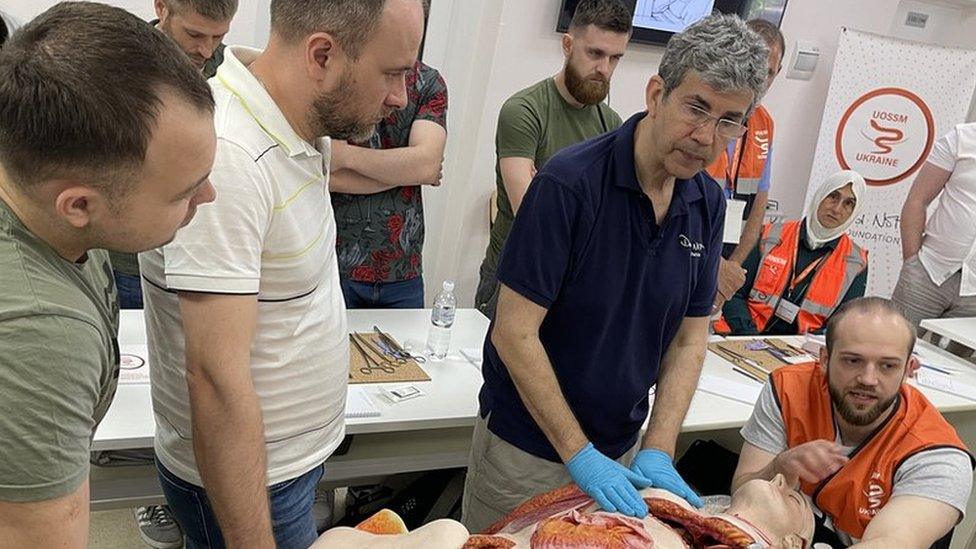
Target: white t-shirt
950, 232
271, 233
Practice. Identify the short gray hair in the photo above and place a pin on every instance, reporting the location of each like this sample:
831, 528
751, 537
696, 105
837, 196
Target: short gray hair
218, 10
351, 22
725, 53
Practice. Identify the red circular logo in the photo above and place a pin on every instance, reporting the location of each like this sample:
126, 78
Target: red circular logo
885, 135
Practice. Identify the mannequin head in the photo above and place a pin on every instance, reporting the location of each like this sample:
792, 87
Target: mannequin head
774, 507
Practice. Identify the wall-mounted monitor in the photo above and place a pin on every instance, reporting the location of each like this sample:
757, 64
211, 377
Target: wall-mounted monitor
655, 21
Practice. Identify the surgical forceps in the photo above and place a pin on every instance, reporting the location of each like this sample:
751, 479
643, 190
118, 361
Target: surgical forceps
371, 363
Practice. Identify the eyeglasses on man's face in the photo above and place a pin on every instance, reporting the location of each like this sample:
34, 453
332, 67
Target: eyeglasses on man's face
724, 127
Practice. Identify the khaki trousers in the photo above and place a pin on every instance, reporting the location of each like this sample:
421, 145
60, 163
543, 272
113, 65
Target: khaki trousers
501, 476
921, 298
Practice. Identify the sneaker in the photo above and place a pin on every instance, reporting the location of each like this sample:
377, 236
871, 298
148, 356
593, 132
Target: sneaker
322, 508
158, 528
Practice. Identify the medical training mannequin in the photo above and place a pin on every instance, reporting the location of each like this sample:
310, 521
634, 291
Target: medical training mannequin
802, 270
768, 514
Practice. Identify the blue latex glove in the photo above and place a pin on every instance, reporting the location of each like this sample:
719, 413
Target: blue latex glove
657, 466
612, 485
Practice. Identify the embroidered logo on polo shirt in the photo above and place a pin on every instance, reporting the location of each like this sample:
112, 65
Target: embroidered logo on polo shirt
695, 248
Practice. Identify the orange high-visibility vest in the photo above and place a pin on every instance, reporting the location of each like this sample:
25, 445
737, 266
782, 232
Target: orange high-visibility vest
833, 277
743, 170
862, 487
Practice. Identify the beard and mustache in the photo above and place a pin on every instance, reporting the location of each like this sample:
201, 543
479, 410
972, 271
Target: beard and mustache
336, 113
852, 415
587, 90
196, 59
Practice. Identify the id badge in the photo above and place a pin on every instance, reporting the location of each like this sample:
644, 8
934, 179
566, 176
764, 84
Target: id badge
732, 231
787, 311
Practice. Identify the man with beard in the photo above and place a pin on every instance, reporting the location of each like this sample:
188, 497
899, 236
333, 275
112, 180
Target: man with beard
377, 196
607, 283
883, 467
541, 120
245, 318
198, 28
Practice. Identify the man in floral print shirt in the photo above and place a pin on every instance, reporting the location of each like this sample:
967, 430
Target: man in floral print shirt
376, 193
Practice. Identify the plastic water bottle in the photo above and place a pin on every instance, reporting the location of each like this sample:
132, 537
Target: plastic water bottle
441, 320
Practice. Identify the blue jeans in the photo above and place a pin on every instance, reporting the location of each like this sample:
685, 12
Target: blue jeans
130, 290
291, 510
406, 294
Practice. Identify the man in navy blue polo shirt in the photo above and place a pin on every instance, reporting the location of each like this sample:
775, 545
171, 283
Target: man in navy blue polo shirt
608, 279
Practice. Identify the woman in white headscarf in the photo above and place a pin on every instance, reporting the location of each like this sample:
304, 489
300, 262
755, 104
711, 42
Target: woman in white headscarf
802, 270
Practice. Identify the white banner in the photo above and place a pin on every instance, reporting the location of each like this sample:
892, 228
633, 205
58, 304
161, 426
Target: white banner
889, 100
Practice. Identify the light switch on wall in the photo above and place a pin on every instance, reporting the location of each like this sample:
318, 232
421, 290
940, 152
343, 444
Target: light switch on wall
803, 63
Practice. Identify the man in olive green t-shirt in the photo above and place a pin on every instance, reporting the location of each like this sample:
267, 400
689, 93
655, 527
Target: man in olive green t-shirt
539, 121
110, 148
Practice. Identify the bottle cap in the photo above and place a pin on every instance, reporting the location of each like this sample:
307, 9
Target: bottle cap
448, 286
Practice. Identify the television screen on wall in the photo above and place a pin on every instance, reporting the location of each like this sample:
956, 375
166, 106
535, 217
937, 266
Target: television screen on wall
656, 20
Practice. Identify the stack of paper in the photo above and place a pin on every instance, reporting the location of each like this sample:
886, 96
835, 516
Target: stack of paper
359, 405
945, 383
472, 355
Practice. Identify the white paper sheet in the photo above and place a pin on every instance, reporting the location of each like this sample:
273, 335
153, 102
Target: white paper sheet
744, 391
942, 382
359, 405
472, 355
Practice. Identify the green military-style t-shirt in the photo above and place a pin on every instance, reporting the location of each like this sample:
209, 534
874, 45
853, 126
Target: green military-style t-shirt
537, 123
59, 362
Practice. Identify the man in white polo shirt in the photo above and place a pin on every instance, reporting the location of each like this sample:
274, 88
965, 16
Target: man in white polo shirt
245, 317
938, 278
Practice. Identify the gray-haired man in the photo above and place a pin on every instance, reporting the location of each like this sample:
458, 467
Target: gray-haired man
608, 279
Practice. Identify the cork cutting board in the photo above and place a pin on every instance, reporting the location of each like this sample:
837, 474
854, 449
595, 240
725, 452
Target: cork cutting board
759, 357
368, 363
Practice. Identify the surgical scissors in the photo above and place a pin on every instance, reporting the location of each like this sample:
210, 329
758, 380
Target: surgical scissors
394, 348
